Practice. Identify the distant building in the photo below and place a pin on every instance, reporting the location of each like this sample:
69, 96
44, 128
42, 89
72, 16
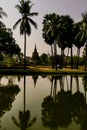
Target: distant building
35, 57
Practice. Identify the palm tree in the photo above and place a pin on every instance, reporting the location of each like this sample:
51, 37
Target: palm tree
78, 42
50, 30
65, 30
84, 30
2, 25
82, 34
25, 21
69, 35
25, 120
48, 39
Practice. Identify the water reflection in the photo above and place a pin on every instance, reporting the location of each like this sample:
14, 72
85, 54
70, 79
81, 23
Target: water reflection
58, 102
7, 96
35, 78
25, 120
62, 107
84, 81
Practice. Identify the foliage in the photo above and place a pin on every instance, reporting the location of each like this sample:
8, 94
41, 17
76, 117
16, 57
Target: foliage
24, 8
44, 59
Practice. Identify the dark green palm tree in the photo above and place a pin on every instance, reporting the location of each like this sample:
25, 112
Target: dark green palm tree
78, 41
48, 39
50, 28
69, 35
82, 34
25, 21
65, 29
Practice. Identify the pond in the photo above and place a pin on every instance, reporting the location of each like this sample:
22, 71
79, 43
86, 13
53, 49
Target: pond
43, 102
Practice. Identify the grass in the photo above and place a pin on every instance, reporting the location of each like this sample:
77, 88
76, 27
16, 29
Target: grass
40, 70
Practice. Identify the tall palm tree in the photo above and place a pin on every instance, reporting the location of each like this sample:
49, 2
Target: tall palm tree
69, 35
65, 30
48, 39
78, 42
82, 34
25, 21
50, 28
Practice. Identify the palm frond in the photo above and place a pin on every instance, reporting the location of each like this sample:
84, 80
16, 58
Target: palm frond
19, 8
2, 13
15, 122
31, 122
24, 8
30, 6
32, 22
15, 25
33, 14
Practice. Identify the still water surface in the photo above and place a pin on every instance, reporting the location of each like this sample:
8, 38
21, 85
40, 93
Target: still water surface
43, 103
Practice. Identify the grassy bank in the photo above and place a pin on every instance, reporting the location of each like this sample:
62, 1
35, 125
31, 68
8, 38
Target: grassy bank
39, 70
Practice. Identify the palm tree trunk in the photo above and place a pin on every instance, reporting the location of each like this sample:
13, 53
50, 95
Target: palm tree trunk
77, 83
52, 57
51, 87
68, 52
61, 60
67, 57
67, 83
55, 54
71, 79
25, 50
71, 58
78, 54
86, 56
55, 88
24, 92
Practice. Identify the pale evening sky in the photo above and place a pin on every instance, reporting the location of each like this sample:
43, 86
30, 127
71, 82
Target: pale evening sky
62, 7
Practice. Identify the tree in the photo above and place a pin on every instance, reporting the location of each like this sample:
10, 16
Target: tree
69, 35
49, 41
2, 25
44, 59
78, 42
24, 8
83, 32
50, 31
65, 35
84, 54
47, 36
7, 42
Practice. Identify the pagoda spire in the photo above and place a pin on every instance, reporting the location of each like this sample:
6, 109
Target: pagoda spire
35, 49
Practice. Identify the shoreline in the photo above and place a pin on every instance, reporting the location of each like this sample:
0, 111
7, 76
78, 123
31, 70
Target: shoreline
40, 70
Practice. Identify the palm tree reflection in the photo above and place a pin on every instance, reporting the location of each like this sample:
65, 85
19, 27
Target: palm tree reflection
7, 97
65, 107
25, 120
84, 81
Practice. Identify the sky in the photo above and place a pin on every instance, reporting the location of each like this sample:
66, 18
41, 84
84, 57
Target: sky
74, 8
